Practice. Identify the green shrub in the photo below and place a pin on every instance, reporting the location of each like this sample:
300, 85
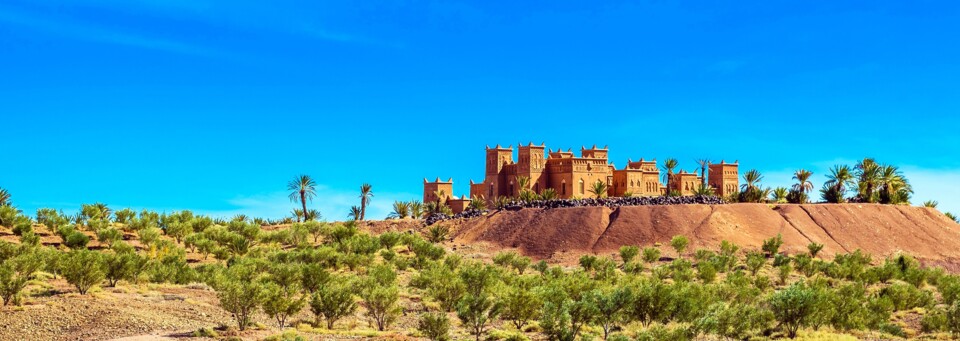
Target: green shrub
77, 240
755, 261
651, 254
679, 244
628, 253
83, 269
434, 326
814, 249
772, 246
108, 235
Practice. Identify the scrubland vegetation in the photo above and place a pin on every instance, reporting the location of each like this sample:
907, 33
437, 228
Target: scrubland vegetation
335, 271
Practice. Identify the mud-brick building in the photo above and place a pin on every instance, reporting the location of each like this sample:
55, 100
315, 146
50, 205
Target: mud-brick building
571, 176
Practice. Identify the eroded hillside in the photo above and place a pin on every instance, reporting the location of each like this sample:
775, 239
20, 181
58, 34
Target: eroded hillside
878, 229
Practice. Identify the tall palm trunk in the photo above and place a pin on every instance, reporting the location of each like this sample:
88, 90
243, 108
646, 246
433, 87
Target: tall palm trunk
303, 201
363, 207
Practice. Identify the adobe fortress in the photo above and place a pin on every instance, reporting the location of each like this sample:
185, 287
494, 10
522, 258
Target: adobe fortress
572, 177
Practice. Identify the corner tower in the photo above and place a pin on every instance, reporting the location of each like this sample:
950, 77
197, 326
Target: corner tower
724, 178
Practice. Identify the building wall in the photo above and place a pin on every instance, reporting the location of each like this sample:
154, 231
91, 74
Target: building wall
685, 183
458, 205
572, 176
724, 178
430, 188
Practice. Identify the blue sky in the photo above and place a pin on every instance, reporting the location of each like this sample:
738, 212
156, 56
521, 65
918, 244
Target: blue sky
215, 105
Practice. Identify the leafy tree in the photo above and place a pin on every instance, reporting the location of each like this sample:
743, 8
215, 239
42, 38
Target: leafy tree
366, 193
380, 295
792, 307
119, 266
240, 292
611, 304
679, 243
302, 188
520, 304
15, 272
333, 301
477, 312
83, 269
280, 303
178, 230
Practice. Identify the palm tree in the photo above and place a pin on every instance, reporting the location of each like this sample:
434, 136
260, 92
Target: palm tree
478, 203
803, 185
599, 189
297, 213
523, 184
355, 213
302, 188
4, 197
751, 179
868, 176
312, 214
703, 163
366, 192
400, 210
838, 180
668, 166
416, 209
930, 203
894, 187
780, 195
441, 197
548, 194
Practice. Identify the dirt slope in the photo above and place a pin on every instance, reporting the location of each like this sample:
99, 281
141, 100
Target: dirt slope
878, 229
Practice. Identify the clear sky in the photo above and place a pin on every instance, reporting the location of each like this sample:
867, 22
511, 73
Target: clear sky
215, 105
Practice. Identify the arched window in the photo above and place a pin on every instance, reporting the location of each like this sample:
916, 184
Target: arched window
581, 187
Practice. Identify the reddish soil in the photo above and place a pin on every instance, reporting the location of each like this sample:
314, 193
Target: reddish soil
880, 230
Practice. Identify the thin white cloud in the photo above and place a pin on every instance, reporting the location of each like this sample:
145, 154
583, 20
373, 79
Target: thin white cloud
95, 33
